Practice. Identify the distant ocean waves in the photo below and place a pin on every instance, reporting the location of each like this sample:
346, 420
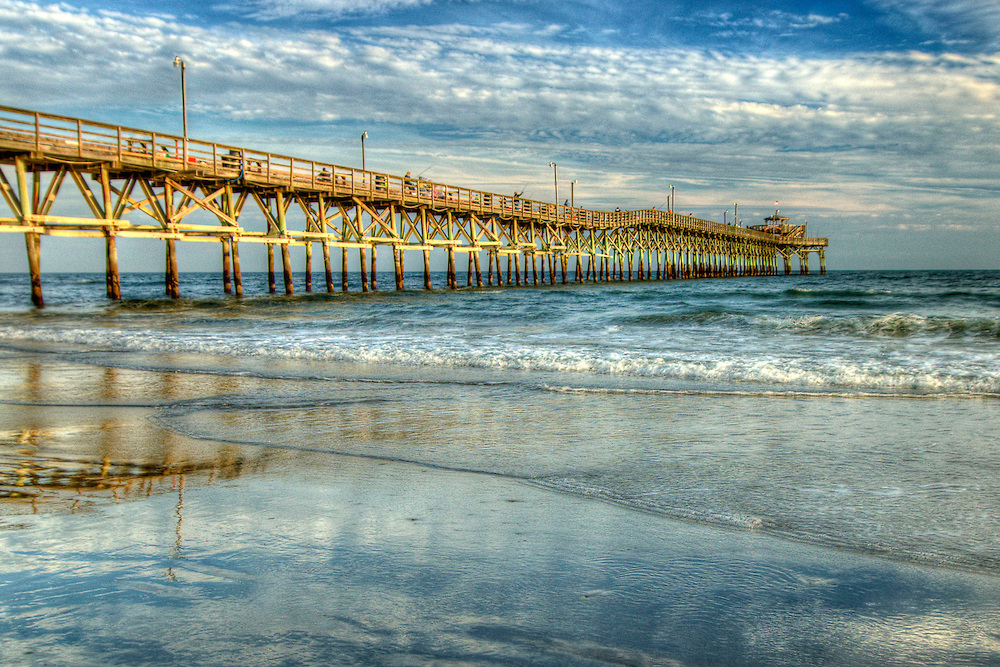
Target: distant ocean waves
894, 325
833, 369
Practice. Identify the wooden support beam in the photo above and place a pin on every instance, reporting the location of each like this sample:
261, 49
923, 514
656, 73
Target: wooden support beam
11, 197
327, 269
172, 278
88, 195
112, 279
45, 205
227, 276
364, 268
111, 276
452, 281
271, 287
427, 268
343, 269
33, 245
286, 259
397, 267
309, 270
237, 274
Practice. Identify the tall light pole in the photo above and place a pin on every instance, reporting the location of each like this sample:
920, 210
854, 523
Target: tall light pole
673, 200
364, 135
555, 180
572, 193
736, 214
184, 106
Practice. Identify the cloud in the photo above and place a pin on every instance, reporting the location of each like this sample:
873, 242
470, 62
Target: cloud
278, 9
774, 20
868, 132
977, 21
494, 82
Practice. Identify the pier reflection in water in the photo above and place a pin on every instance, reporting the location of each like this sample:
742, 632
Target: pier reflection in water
62, 449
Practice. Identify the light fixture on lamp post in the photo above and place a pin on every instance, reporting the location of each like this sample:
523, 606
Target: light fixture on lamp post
180, 63
364, 135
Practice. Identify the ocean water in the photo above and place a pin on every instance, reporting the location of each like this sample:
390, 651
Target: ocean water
762, 436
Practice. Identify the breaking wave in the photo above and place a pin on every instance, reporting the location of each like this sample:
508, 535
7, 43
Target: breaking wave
779, 369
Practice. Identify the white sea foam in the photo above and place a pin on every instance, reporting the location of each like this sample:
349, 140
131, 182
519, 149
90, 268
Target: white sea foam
901, 371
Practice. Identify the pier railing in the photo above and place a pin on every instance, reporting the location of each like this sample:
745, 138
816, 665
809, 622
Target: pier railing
132, 148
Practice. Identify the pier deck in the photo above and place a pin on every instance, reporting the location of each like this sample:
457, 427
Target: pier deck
142, 184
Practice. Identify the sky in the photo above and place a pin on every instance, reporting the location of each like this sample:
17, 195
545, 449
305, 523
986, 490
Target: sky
873, 120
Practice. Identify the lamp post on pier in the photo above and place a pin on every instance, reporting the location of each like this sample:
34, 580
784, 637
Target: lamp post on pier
572, 193
180, 63
555, 181
364, 135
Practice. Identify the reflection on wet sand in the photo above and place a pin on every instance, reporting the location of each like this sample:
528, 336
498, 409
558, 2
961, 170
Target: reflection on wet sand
68, 466
58, 451
58, 380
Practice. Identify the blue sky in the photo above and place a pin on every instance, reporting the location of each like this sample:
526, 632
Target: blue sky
875, 120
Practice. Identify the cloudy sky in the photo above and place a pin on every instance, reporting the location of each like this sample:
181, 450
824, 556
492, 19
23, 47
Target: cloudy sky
875, 120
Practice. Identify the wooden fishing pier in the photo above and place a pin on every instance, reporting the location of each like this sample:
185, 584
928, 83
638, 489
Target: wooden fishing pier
140, 184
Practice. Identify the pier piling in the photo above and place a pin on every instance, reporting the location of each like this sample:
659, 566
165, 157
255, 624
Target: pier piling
327, 269
309, 268
172, 278
227, 276
363, 261
33, 244
271, 286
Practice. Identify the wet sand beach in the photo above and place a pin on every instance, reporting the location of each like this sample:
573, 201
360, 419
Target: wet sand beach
181, 516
